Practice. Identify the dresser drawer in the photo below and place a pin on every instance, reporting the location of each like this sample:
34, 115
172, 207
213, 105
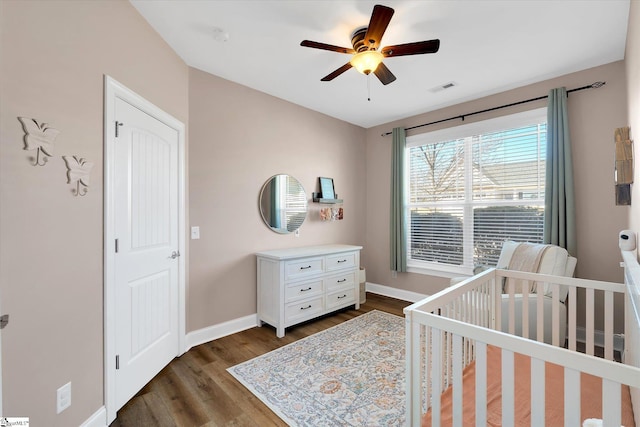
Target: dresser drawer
340, 261
339, 281
342, 298
299, 269
303, 290
299, 311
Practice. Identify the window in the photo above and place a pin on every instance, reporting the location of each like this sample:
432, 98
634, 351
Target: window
472, 187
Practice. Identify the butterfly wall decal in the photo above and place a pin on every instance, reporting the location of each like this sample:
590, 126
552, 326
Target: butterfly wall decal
39, 137
78, 172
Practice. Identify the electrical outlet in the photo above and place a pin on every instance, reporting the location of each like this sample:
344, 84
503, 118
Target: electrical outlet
63, 397
195, 233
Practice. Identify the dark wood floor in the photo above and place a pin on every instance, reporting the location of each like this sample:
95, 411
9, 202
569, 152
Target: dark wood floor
196, 390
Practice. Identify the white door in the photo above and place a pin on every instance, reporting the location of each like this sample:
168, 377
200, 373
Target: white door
146, 226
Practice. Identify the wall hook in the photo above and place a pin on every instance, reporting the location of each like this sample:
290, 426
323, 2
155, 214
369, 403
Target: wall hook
37, 159
80, 191
78, 172
39, 137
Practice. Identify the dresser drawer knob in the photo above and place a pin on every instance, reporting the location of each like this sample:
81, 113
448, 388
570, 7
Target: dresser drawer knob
305, 308
305, 268
343, 296
341, 261
342, 280
305, 290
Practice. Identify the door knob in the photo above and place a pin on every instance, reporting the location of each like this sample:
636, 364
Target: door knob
175, 254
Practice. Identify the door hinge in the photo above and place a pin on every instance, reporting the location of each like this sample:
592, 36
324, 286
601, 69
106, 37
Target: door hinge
116, 245
117, 361
4, 320
118, 124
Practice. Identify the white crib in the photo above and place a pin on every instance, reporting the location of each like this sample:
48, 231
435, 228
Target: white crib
449, 332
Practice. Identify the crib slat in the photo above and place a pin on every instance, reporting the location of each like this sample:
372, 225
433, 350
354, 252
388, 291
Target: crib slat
413, 364
540, 317
571, 398
589, 321
463, 307
555, 315
611, 403
436, 377
572, 302
457, 380
488, 307
608, 325
476, 306
525, 314
445, 351
512, 307
537, 392
508, 388
497, 304
484, 307
425, 367
481, 384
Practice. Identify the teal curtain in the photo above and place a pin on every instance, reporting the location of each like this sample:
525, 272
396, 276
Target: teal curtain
398, 221
275, 203
560, 208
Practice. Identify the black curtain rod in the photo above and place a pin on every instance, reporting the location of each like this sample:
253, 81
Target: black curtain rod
462, 116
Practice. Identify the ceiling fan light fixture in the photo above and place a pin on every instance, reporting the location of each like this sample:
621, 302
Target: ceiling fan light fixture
367, 61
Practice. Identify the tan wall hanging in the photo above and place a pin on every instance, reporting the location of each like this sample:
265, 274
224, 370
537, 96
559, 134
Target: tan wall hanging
623, 174
78, 173
39, 137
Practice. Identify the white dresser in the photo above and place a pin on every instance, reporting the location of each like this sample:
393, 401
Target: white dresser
299, 284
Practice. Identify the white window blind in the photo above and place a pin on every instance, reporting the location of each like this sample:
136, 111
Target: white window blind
472, 187
294, 204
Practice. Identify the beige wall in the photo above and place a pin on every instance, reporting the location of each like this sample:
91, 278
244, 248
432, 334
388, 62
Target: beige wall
593, 116
238, 139
54, 55
632, 63
51, 247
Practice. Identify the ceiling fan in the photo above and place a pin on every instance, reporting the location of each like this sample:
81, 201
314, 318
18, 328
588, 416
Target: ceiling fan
366, 40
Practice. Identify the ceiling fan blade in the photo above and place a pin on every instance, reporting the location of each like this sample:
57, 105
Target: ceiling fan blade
384, 74
336, 73
416, 48
324, 46
380, 19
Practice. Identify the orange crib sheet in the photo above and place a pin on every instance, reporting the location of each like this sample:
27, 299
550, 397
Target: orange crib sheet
591, 395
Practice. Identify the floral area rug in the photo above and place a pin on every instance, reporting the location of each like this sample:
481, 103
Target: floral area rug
352, 374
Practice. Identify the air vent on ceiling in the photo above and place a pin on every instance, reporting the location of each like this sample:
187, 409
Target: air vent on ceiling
443, 87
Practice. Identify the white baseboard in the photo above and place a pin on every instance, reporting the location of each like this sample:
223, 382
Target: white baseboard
388, 291
214, 332
598, 338
98, 419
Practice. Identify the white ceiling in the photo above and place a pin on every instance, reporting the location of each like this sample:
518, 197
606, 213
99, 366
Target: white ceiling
486, 47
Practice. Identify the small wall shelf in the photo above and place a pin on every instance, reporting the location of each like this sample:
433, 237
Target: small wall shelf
317, 198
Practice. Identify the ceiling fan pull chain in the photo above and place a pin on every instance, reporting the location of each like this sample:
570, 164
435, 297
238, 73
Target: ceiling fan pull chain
369, 87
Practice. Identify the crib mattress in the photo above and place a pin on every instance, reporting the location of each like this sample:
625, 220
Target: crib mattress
591, 395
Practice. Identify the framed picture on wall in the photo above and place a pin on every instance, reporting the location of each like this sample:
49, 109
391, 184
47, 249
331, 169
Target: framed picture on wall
326, 188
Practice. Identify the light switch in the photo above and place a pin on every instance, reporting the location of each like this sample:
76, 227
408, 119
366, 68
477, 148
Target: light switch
195, 233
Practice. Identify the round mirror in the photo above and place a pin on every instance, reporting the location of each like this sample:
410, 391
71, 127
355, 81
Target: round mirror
283, 204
